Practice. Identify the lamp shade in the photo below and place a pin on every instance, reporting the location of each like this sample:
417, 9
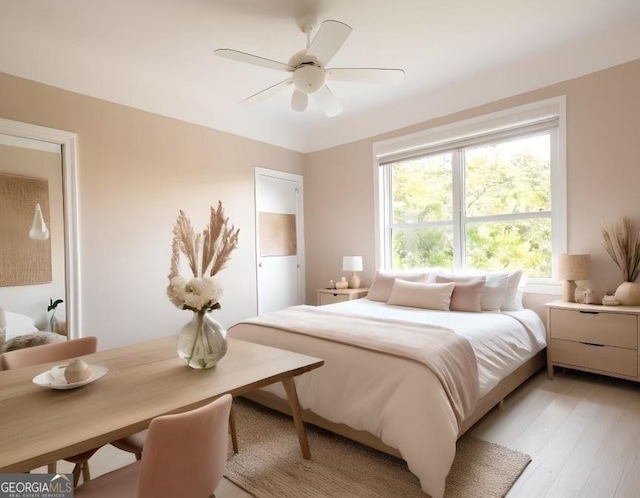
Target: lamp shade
352, 263
575, 266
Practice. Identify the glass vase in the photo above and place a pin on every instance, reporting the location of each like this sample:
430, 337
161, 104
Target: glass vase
202, 342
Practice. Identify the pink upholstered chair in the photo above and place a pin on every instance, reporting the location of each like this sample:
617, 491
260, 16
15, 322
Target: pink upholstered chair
135, 443
185, 456
56, 352
48, 352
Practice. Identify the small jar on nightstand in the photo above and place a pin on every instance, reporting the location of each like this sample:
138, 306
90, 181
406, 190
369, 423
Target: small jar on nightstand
331, 296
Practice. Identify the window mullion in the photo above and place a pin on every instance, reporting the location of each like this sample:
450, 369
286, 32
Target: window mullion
387, 256
458, 208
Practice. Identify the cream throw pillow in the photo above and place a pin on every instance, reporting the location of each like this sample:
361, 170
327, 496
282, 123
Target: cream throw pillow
381, 288
513, 298
419, 295
467, 296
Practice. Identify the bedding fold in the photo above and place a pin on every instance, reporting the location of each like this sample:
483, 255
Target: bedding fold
448, 355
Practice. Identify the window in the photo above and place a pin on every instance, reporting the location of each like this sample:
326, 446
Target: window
486, 196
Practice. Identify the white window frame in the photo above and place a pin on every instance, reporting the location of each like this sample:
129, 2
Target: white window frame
498, 124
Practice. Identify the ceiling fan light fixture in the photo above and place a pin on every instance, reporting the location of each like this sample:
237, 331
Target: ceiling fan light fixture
309, 79
299, 101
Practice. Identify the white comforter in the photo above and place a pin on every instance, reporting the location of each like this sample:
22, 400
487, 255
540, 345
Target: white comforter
397, 400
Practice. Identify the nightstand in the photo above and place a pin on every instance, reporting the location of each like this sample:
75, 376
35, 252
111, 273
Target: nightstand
599, 339
330, 296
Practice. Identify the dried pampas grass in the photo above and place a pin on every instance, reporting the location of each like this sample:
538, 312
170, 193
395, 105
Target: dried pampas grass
208, 252
621, 240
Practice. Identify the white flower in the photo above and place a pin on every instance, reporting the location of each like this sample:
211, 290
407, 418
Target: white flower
198, 294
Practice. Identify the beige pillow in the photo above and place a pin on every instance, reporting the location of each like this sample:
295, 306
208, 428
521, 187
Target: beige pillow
467, 296
494, 292
419, 295
381, 288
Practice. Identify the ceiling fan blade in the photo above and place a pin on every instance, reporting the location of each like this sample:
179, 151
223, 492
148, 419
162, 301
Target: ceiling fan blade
367, 75
299, 101
254, 60
327, 42
327, 101
267, 92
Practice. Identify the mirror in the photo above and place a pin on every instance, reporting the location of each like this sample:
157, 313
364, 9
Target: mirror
39, 167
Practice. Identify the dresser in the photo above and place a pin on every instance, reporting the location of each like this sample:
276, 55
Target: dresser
593, 338
330, 296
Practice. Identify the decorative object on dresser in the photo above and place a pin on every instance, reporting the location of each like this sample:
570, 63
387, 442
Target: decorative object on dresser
342, 284
352, 264
621, 240
573, 267
202, 342
593, 338
330, 296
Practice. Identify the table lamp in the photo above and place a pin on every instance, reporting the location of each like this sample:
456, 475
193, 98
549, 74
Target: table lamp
573, 267
352, 264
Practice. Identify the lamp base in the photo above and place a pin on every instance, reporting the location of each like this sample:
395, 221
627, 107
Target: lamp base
354, 281
569, 291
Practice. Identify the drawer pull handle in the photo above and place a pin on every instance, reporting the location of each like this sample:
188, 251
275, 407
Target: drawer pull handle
590, 312
592, 344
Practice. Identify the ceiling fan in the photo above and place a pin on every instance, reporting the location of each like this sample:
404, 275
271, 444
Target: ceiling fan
308, 68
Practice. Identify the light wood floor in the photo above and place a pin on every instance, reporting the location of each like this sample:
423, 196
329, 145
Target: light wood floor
581, 430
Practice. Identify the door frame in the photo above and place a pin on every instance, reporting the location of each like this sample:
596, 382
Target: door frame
298, 179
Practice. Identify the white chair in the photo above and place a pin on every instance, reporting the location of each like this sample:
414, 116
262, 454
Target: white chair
184, 456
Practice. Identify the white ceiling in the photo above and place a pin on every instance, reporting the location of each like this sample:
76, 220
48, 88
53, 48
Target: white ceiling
157, 55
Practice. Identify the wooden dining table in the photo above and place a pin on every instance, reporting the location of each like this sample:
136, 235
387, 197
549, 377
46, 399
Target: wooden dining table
39, 425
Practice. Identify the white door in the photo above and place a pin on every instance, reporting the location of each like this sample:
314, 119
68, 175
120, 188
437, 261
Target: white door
279, 240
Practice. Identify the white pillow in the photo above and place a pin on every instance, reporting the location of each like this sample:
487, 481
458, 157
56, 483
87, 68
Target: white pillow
512, 299
420, 295
18, 324
381, 288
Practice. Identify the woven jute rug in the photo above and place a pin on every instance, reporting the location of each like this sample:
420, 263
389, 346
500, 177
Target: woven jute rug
269, 464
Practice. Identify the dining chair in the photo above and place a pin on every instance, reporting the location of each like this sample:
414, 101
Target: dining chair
135, 443
185, 455
46, 353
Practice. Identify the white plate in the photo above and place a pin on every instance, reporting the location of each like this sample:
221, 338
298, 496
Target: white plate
54, 378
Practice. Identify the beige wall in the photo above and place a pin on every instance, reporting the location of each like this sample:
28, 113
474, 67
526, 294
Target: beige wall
603, 169
136, 170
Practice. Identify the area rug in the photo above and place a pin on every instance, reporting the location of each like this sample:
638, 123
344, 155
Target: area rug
269, 464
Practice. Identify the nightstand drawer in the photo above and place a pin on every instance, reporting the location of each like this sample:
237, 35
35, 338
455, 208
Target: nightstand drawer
610, 329
331, 298
605, 359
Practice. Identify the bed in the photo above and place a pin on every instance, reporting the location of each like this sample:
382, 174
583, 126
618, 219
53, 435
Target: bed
388, 398
18, 331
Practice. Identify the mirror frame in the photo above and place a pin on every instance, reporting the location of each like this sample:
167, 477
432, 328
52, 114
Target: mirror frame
67, 141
